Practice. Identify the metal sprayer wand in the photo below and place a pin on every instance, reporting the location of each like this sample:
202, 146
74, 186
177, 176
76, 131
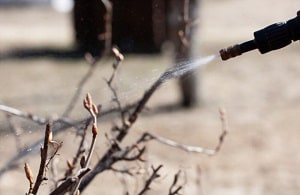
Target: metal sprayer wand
270, 38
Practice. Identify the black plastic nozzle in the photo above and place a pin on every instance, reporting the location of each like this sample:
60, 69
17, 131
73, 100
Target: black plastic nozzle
270, 38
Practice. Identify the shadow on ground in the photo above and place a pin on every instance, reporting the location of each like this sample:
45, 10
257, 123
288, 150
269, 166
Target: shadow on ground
41, 53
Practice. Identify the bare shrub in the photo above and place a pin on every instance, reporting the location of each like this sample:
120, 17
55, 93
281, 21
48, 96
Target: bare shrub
78, 173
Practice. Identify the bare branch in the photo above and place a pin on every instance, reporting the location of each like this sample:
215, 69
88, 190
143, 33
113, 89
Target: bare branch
122, 171
44, 152
80, 151
16, 131
174, 189
153, 176
22, 114
63, 125
224, 128
92, 62
122, 155
72, 183
187, 148
106, 161
93, 110
118, 59
194, 149
68, 184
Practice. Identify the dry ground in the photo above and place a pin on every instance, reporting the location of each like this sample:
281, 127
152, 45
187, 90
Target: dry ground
261, 94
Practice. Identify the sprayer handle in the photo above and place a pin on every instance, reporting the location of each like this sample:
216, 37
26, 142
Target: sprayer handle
278, 35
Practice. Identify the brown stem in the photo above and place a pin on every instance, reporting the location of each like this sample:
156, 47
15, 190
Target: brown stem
44, 150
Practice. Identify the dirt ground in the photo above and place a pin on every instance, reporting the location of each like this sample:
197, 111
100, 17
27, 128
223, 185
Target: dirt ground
261, 95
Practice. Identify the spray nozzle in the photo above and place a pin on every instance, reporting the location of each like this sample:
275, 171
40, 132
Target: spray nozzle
270, 38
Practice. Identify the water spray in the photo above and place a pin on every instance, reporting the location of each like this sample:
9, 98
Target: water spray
270, 38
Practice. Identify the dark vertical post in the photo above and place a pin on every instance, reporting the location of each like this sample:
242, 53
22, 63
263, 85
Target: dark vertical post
89, 25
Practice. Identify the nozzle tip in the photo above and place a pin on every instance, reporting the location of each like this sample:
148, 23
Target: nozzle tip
230, 52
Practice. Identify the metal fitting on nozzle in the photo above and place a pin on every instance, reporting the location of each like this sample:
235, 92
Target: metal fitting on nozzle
230, 52
237, 49
272, 37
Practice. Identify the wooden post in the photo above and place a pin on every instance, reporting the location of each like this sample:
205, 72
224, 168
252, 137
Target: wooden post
182, 16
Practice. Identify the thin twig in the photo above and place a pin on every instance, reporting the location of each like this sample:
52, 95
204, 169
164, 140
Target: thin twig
224, 127
118, 59
122, 171
68, 184
153, 176
175, 191
34, 148
107, 161
44, 152
93, 110
80, 151
192, 149
169, 142
72, 183
106, 36
22, 114
16, 131
92, 62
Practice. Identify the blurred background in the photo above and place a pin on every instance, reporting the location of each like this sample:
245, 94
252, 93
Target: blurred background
42, 44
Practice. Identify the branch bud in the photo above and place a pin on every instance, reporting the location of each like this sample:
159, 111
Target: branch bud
70, 165
85, 104
95, 109
77, 192
28, 173
94, 130
50, 137
117, 54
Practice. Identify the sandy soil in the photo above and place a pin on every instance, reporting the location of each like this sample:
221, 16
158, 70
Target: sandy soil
261, 94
